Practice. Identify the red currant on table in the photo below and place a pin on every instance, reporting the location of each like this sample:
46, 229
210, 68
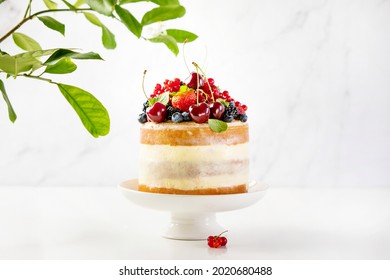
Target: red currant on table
216, 241
156, 112
200, 113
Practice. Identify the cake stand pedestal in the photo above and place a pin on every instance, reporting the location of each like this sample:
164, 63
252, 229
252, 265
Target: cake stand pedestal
193, 217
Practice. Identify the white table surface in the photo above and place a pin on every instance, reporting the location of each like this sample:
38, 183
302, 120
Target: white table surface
99, 223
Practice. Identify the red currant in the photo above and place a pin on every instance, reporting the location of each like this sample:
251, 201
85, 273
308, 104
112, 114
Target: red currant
217, 241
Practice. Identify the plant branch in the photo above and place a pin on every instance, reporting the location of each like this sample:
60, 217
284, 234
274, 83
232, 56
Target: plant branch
37, 78
25, 19
28, 9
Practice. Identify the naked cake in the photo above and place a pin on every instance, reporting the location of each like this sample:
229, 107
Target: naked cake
193, 140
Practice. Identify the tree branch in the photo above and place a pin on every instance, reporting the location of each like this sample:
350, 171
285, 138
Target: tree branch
25, 19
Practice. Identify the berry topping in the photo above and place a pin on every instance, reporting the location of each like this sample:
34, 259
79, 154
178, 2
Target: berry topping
177, 117
183, 100
142, 118
200, 113
217, 109
156, 112
216, 241
195, 81
199, 99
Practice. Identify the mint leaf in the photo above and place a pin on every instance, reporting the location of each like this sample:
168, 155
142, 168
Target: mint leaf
129, 21
11, 112
217, 125
63, 66
53, 24
181, 36
91, 112
163, 13
25, 42
162, 98
224, 102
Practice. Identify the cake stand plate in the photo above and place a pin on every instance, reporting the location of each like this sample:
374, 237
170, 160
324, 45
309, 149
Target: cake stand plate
193, 217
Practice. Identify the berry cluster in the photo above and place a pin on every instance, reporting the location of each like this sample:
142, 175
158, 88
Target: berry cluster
216, 241
198, 99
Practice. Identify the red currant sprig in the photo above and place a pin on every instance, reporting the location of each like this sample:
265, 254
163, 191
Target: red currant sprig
216, 241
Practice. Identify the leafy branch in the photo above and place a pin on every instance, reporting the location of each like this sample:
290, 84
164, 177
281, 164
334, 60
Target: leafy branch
37, 63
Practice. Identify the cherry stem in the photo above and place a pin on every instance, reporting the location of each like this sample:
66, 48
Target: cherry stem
143, 85
184, 56
207, 81
216, 237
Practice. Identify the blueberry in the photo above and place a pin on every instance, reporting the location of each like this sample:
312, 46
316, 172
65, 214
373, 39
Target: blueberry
177, 117
228, 118
142, 118
186, 116
243, 117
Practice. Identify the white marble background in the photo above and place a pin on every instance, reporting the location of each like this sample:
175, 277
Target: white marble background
314, 74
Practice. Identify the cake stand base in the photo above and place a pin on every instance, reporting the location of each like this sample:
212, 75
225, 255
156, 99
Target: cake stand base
193, 217
192, 226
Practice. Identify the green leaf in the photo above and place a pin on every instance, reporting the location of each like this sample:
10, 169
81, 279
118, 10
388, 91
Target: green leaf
158, 2
14, 65
129, 21
223, 102
163, 13
63, 66
37, 53
162, 98
25, 42
79, 3
90, 110
11, 113
60, 53
108, 38
131, 1
51, 5
166, 2
70, 6
169, 41
104, 7
217, 125
53, 24
182, 36
93, 19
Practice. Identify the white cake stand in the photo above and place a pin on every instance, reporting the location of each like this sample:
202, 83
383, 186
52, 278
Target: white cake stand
193, 217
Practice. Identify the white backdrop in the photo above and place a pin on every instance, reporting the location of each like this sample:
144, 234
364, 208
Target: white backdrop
314, 74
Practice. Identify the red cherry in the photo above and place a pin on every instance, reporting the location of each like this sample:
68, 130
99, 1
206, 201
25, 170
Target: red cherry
217, 109
210, 81
200, 113
194, 78
157, 112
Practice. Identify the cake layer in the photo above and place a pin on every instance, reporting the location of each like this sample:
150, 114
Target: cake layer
192, 134
209, 153
209, 191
